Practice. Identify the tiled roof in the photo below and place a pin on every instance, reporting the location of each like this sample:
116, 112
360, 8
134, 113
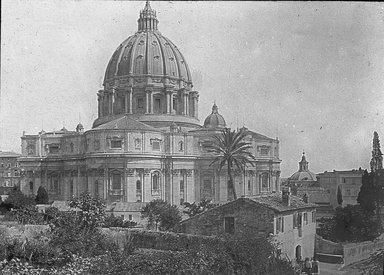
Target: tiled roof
125, 123
272, 201
275, 202
126, 206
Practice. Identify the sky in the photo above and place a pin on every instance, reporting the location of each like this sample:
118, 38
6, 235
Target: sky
309, 73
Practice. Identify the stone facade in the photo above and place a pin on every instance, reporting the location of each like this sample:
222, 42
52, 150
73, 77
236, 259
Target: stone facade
147, 142
349, 183
293, 227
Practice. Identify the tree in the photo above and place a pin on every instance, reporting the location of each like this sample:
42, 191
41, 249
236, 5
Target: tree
339, 196
231, 149
196, 208
42, 196
16, 199
161, 215
377, 156
366, 197
351, 223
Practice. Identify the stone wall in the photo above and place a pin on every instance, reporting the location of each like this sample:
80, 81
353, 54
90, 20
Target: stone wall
327, 247
351, 252
249, 221
159, 240
354, 252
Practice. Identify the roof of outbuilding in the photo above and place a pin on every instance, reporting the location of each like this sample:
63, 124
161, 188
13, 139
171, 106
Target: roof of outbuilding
8, 154
126, 206
125, 123
271, 201
275, 202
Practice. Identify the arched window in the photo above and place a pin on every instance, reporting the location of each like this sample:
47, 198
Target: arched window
298, 253
138, 191
181, 146
137, 144
54, 184
155, 182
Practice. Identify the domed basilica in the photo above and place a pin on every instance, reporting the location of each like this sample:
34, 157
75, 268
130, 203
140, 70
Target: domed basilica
147, 142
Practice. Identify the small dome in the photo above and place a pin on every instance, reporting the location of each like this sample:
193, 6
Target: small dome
79, 127
214, 120
303, 174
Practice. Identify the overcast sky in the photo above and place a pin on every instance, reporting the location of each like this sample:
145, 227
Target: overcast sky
309, 73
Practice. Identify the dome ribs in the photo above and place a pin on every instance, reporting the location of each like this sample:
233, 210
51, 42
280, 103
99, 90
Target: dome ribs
125, 57
165, 69
172, 47
181, 63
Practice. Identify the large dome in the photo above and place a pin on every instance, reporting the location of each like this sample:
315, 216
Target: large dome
148, 53
148, 79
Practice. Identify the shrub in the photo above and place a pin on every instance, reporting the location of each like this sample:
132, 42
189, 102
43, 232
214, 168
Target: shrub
351, 223
16, 199
161, 215
27, 215
42, 196
193, 209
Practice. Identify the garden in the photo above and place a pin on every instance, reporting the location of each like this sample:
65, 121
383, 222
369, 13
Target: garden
85, 240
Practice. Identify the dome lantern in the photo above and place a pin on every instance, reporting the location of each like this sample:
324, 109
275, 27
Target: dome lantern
147, 20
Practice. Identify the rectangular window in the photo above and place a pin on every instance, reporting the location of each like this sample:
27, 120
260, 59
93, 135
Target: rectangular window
140, 103
157, 105
53, 149
155, 145
295, 220
130, 217
116, 144
181, 186
280, 224
313, 216
116, 181
229, 225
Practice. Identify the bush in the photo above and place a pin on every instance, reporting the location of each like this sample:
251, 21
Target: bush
161, 215
193, 209
16, 199
350, 224
42, 196
27, 215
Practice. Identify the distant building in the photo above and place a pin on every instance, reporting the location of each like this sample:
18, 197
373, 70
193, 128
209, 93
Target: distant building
288, 218
9, 171
348, 182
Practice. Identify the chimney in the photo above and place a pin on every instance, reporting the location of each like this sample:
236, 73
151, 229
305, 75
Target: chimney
286, 196
305, 198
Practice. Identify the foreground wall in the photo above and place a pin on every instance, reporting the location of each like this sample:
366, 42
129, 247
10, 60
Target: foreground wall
354, 252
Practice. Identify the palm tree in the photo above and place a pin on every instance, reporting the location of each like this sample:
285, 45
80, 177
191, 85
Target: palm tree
230, 149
